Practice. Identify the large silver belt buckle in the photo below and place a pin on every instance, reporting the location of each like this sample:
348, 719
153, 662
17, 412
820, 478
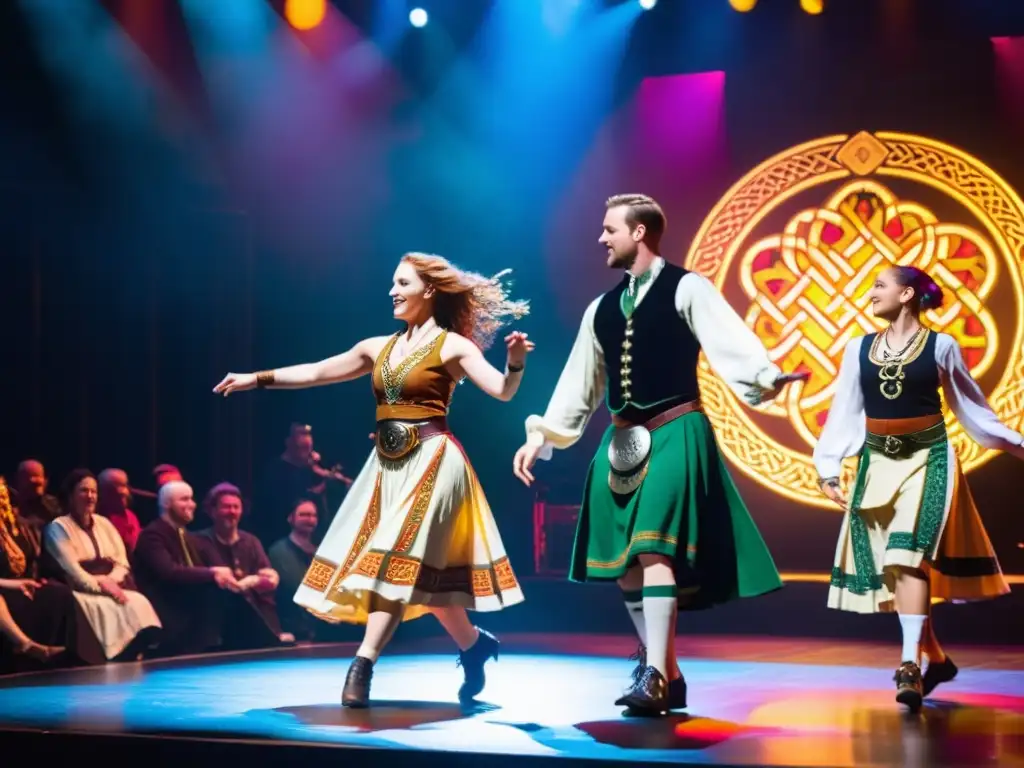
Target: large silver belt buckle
396, 439
628, 454
892, 445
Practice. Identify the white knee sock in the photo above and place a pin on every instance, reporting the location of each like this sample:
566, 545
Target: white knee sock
635, 608
659, 618
912, 626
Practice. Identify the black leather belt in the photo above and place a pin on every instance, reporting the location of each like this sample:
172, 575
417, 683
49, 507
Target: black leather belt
905, 446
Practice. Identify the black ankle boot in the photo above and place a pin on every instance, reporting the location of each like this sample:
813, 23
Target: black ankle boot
356, 693
937, 673
472, 662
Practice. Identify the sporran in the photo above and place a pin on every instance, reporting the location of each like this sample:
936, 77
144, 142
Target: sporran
629, 454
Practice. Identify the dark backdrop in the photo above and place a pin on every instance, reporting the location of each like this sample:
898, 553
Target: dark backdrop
139, 267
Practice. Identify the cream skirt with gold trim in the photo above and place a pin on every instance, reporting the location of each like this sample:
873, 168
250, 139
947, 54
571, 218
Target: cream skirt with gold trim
914, 512
418, 531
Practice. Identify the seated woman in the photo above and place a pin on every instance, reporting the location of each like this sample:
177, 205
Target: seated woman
92, 557
36, 618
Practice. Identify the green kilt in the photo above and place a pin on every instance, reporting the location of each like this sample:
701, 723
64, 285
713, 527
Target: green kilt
687, 509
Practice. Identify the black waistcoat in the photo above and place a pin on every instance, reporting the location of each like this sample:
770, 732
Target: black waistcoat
919, 395
661, 356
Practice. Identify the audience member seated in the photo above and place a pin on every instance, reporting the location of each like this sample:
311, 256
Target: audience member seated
225, 545
115, 498
186, 593
92, 556
34, 504
37, 619
291, 558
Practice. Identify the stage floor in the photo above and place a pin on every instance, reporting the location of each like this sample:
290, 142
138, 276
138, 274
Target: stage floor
753, 701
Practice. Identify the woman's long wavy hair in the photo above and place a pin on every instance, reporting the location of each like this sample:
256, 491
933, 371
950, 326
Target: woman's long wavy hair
468, 303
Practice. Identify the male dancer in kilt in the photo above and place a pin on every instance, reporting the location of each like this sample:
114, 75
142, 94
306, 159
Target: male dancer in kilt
660, 513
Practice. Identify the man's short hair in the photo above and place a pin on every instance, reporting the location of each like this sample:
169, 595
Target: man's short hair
220, 489
642, 209
163, 496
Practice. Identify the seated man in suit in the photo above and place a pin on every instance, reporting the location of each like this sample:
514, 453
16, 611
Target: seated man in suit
170, 572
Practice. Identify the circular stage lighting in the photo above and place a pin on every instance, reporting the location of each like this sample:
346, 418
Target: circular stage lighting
743, 5
418, 17
813, 7
305, 14
648, 4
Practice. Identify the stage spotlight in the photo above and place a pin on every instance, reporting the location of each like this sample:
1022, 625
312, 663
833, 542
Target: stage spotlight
305, 14
648, 4
418, 17
743, 5
813, 7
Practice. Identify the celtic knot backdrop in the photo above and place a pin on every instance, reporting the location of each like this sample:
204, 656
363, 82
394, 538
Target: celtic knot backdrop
807, 285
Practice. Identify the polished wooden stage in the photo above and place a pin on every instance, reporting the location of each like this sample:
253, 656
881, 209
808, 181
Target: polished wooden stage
753, 701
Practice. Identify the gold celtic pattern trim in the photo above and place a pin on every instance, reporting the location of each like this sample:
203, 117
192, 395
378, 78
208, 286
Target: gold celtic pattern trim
423, 492
370, 522
319, 574
395, 379
400, 570
638, 537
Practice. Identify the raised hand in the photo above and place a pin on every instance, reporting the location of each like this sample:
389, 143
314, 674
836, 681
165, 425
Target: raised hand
518, 347
235, 382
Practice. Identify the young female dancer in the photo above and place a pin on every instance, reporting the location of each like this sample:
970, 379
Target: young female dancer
911, 534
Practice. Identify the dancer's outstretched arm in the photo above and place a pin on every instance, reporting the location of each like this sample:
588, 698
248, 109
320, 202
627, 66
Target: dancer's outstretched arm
968, 402
356, 362
733, 350
472, 363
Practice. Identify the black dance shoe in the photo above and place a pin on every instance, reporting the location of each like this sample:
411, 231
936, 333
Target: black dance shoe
676, 688
472, 662
356, 693
937, 673
648, 695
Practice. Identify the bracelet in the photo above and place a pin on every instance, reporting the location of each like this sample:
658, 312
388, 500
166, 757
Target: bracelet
823, 481
264, 379
515, 368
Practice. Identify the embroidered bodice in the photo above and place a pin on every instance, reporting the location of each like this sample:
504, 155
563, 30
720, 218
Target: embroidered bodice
419, 387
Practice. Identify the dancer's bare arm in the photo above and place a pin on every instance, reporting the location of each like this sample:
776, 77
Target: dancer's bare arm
357, 361
470, 362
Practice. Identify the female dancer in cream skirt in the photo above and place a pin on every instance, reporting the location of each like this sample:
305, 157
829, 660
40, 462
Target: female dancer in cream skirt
911, 534
415, 534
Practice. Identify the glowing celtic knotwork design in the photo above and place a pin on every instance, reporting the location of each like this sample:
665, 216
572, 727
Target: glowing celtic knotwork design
806, 285
809, 287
